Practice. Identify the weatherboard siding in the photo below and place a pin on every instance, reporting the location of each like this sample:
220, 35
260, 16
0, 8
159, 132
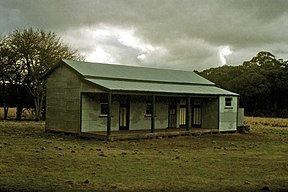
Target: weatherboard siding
228, 115
210, 113
63, 101
138, 118
92, 120
140, 121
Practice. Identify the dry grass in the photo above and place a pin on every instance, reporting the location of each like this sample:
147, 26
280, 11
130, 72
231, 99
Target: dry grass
27, 113
32, 160
11, 113
273, 122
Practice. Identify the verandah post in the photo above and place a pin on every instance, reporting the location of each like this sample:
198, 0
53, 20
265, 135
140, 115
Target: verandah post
109, 114
153, 115
189, 113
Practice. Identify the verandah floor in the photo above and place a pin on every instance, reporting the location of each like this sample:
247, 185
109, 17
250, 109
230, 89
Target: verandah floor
146, 134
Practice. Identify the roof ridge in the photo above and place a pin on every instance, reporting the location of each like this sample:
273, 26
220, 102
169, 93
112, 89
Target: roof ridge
127, 65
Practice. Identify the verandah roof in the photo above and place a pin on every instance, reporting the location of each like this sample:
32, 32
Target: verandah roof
141, 79
156, 87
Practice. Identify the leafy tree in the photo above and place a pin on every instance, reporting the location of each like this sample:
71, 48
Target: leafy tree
262, 83
3, 78
6, 73
253, 90
35, 52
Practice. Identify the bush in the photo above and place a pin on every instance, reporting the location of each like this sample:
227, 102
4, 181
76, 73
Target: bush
243, 129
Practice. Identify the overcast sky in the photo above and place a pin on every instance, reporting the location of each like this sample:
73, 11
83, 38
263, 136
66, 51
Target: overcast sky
177, 34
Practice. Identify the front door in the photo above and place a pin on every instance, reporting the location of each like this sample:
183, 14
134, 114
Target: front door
124, 117
172, 116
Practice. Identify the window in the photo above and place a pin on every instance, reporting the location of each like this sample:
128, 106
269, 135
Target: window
104, 109
103, 105
228, 102
149, 109
196, 118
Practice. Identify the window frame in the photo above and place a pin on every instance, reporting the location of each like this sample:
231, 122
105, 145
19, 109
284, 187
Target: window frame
148, 109
103, 109
228, 103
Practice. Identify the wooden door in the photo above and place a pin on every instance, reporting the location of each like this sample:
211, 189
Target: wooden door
172, 116
124, 117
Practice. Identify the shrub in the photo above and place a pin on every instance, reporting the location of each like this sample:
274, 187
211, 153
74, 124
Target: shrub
243, 129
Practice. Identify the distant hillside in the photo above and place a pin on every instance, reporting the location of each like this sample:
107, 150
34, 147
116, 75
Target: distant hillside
261, 82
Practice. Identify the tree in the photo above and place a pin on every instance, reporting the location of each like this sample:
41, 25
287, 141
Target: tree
3, 91
36, 52
6, 73
262, 83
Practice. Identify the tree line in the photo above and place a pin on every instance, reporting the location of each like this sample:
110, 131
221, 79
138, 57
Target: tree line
25, 56
261, 82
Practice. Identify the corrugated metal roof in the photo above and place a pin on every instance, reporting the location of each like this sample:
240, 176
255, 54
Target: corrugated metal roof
141, 79
112, 71
166, 88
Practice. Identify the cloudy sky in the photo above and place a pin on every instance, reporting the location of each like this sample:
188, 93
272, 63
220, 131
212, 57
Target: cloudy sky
177, 34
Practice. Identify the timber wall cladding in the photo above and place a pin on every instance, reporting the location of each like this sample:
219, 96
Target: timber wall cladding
228, 116
138, 118
63, 97
209, 114
90, 114
91, 119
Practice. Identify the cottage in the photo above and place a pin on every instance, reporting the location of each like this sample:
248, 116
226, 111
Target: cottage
85, 97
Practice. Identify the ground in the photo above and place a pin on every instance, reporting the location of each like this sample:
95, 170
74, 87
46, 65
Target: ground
32, 160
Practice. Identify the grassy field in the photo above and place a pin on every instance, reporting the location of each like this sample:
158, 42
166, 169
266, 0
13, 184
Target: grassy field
32, 160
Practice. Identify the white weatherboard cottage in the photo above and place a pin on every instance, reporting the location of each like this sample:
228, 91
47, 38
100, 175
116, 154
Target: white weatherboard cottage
85, 97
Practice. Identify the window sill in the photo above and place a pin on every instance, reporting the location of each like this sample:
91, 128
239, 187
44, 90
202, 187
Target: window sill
148, 115
228, 107
103, 115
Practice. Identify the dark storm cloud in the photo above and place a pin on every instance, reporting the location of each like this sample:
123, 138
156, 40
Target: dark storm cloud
186, 34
